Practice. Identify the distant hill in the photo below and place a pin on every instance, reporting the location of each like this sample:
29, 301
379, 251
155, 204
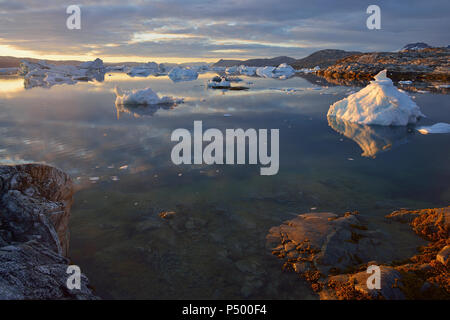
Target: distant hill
416, 46
255, 62
322, 58
12, 62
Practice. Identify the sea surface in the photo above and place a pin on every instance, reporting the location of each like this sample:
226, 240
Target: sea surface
214, 245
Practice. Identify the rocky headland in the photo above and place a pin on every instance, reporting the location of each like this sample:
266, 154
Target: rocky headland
429, 64
35, 203
333, 253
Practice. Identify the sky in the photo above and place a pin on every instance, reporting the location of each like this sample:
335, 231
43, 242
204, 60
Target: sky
204, 30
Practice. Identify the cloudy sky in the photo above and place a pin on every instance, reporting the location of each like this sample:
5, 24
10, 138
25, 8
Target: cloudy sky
205, 30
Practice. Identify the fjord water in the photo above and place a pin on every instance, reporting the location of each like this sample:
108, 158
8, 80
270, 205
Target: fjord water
214, 247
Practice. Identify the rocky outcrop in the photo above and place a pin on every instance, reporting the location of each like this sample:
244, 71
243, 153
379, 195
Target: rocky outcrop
333, 253
35, 203
431, 64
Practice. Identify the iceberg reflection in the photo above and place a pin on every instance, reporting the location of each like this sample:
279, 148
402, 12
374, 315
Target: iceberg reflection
371, 139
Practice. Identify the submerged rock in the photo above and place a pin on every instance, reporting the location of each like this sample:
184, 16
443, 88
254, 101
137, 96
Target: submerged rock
333, 253
35, 205
380, 103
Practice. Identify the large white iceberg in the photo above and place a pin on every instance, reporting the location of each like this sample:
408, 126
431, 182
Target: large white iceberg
380, 103
142, 97
440, 127
183, 74
265, 72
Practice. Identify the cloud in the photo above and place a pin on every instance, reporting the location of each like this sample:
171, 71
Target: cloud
218, 29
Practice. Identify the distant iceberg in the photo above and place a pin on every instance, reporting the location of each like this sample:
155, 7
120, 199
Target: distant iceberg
43, 74
440, 127
144, 70
246, 71
283, 71
183, 74
380, 103
142, 97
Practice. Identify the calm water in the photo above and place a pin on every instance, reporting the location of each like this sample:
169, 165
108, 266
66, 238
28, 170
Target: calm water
215, 245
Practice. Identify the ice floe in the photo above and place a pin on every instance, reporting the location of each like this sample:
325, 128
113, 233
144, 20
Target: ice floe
308, 70
142, 97
380, 103
440, 127
183, 74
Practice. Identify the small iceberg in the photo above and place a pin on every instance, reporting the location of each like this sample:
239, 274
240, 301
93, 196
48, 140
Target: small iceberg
183, 74
380, 103
219, 83
265, 72
440, 127
283, 71
8, 71
142, 97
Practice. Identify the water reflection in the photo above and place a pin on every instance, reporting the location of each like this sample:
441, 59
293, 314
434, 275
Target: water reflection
371, 139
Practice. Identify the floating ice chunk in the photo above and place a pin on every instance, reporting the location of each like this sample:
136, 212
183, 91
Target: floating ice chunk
219, 82
232, 70
405, 82
380, 103
142, 97
97, 64
265, 72
283, 71
440, 127
182, 74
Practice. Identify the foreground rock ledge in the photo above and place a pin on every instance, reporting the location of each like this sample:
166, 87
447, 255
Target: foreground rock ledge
333, 252
35, 203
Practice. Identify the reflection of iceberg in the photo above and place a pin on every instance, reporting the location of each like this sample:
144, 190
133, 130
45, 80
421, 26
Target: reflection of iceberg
141, 111
371, 139
379, 103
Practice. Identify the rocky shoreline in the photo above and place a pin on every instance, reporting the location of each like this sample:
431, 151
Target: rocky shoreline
35, 203
333, 252
430, 64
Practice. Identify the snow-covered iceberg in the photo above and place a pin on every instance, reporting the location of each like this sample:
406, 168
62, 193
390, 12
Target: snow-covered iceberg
440, 127
309, 70
380, 103
142, 97
283, 71
246, 71
371, 139
183, 74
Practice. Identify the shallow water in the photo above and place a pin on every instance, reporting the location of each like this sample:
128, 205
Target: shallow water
215, 245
